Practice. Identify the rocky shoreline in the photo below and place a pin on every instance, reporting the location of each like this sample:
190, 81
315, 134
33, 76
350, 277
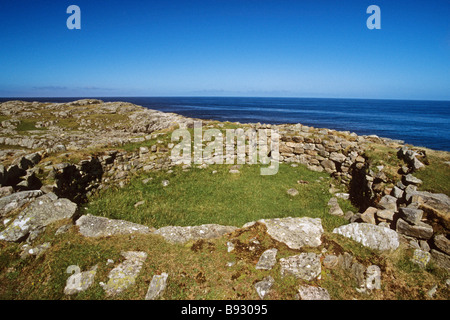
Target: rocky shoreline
41, 187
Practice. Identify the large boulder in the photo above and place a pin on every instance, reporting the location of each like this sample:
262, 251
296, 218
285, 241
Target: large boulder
176, 234
40, 213
369, 235
93, 226
295, 232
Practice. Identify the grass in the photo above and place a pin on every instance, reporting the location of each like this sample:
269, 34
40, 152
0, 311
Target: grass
198, 197
436, 175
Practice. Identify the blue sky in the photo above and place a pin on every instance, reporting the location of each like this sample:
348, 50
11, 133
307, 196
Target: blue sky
309, 48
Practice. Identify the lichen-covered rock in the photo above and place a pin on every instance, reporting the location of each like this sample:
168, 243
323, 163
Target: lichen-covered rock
176, 234
267, 259
421, 258
369, 235
93, 226
313, 293
124, 275
40, 213
16, 200
305, 266
295, 232
263, 287
157, 286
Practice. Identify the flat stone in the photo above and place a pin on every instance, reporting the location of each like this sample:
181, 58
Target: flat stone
176, 234
441, 259
267, 259
386, 214
373, 277
410, 179
419, 230
330, 261
313, 293
292, 192
435, 204
40, 213
368, 216
93, 226
295, 232
442, 243
263, 287
304, 266
157, 286
369, 235
411, 215
388, 202
124, 275
16, 200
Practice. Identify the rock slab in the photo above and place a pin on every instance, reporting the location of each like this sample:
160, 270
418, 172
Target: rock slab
176, 234
305, 266
157, 286
369, 235
295, 232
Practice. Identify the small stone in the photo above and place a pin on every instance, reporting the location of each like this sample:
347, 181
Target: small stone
411, 215
305, 266
230, 246
313, 293
421, 258
330, 261
410, 179
369, 215
157, 286
432, 291
267, 259
79, 281
165, 183
263, 287
292, 192
140, 203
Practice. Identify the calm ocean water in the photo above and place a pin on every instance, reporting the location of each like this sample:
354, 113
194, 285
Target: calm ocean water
421, 123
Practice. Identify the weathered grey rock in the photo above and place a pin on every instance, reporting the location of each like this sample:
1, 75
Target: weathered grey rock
419, 230
345, 261
421, 258
369, 235
411, 215
386, 214
93, 226
292, 192
79, 281
124, 275
40, 213
435, 204
263, 287
388, 202
176, 234
335, 209
267, 259
313, 293
368, 216
157, 286
397, 192
410, 179
441, 259
337, 157
16, 200
305, 266
295, 232
328, 165
442, 243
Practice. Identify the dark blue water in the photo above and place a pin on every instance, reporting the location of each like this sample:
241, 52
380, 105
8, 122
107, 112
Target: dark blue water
421, 123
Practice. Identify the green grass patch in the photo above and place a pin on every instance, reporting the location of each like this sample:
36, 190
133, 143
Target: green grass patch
198, 197
436, 175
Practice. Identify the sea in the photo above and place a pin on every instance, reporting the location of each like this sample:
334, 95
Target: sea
420, 123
